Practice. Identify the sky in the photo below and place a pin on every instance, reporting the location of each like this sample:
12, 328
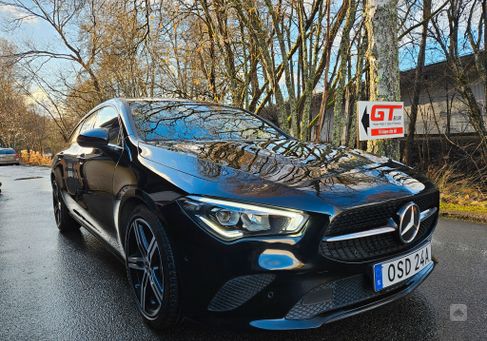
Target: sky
31, 30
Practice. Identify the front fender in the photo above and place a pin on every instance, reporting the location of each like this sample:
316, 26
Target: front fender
129, 197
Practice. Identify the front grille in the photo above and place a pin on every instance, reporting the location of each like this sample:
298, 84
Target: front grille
365, 218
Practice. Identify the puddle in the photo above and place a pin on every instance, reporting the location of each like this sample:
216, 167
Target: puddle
29, 178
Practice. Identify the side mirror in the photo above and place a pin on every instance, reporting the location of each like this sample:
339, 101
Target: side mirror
93, 138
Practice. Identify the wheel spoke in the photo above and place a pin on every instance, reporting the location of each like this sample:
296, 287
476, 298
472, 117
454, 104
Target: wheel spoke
156, 288
140, 238
151, 249
143, 289
56, 203
136, 263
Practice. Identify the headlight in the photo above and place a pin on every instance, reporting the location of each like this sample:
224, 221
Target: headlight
231, 220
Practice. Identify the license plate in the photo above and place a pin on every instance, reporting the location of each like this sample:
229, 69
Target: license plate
400, 269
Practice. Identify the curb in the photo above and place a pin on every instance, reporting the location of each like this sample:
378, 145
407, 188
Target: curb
473, 217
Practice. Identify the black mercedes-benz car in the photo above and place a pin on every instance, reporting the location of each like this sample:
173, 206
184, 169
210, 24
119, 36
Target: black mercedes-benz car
221, 217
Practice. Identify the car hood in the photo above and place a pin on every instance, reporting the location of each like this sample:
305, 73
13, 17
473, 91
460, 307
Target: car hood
288, 173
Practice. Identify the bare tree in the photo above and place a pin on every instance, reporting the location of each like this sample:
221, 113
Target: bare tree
340, 124
417, 83
383, 64
448, 37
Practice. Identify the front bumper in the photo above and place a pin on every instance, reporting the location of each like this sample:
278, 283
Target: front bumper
9, 162
259, 282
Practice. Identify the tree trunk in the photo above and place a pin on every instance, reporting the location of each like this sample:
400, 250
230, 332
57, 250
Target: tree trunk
350, 117
418, 82
448, 111
324, 96
339, 136
383, 62
360, 88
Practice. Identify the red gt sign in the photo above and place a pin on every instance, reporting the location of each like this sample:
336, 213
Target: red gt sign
380, 120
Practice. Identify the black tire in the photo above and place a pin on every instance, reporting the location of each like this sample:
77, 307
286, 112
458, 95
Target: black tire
64, 221
151, 269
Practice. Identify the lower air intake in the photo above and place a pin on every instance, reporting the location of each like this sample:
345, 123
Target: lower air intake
330, 296
238, 291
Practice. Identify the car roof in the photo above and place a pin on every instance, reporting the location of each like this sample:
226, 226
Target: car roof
180, 100
155, 99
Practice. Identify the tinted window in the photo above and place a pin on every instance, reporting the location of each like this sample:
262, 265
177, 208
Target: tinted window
108, 118
189, 121
88, 123
7, 151
85, 125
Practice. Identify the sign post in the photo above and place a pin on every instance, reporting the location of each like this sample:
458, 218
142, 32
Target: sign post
380, 120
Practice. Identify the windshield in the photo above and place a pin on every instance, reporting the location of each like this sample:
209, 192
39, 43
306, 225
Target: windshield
175, 121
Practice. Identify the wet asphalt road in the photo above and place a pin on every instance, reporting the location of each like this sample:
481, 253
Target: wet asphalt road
68, 287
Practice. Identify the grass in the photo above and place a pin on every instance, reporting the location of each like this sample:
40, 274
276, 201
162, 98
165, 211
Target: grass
461, 195
473, 211
463, 208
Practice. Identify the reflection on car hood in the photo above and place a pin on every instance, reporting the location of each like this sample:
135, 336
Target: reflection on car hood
338, 176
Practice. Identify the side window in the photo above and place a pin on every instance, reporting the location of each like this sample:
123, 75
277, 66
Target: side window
88, 123
107, 117
75, 133
85, 125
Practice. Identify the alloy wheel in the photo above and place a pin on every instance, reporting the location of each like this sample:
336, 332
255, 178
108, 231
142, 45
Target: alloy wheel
56, 203
145, 267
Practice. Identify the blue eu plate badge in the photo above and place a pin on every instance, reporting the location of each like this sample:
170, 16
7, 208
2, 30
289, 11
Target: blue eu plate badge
378, 277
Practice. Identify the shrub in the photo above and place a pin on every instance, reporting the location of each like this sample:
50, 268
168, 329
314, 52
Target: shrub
34, 158
462, 195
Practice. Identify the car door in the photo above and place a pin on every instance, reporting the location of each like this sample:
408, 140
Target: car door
97, 167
